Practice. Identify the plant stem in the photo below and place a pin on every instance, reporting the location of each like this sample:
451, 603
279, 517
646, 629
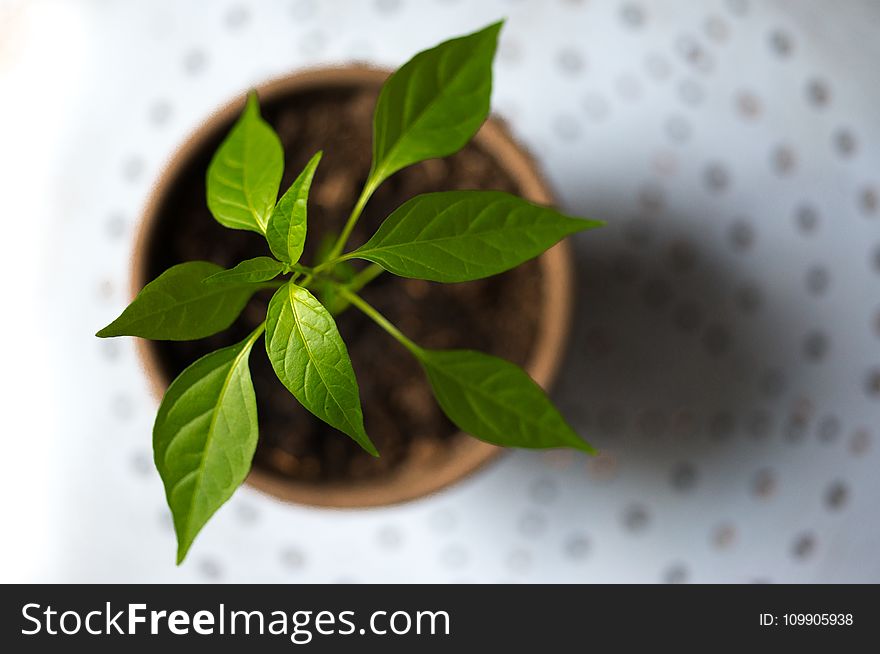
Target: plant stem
379, 319
254, 335
364, 277
367, 191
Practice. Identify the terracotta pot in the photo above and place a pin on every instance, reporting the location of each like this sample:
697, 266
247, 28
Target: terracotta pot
464, 455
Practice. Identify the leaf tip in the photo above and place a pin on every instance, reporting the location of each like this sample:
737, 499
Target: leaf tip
253, 102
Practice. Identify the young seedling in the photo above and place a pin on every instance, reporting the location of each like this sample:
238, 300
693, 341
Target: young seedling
206, 429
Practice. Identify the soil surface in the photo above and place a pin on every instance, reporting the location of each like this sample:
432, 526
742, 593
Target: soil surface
497, 315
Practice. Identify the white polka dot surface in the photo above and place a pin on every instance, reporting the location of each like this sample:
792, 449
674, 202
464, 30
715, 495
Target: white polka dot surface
725, 354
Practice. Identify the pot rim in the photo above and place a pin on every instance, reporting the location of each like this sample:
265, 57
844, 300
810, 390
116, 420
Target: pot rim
465, 454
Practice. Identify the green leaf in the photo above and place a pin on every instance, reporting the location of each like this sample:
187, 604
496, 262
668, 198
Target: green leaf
311, 360
245, 173
434, 104
205, 436
457, 236
251, 271
496, 401
286, 231
179, 306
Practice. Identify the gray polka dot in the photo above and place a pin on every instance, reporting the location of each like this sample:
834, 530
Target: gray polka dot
453, 556
684, 423
636, 518
293, 558
625, 267
611, 420
781, 43
628, 88
387, 6
632, 15
806, 218
519, 561
716, 177
804, 546
132, 169
166, 520
772, 382
741, 235
683, 477
443, 520
312, 43
836, 495
818, 93
687, 316
237, 17
716, 29
677, 573
691, 92
577, 547
544, 490
748, 105
159, 113
595, 107
817, 280
389, 537
651, 198
723, 536
829, 429
210, 569
638, 232
872, 383
860, 442
566, 127
845, 142
737, 7
869, 200
510, 52
758, 424
764, 484
815, 346
247, 513
122, 406
532, 524
658, 67
748, 299
194, 62
783, 159
303, 9
722, 425
694, 53
142, 463
682, 257
657, 293
652, 423
110, 348
115, 226
678, 128
570, 61
716, 339
795, 430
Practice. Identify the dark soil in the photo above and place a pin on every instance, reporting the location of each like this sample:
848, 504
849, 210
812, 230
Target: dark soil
497, 315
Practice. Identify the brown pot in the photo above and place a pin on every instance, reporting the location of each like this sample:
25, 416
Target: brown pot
464, 455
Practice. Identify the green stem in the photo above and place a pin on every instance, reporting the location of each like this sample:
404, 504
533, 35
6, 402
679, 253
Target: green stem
367, 191
254, 335
379, 319
364, 277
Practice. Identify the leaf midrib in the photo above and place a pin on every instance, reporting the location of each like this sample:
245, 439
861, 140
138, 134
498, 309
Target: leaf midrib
211, 428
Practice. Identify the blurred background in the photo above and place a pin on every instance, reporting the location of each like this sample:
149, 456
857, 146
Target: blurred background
725, 355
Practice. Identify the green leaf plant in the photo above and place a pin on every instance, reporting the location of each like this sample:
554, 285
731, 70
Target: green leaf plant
206, 428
